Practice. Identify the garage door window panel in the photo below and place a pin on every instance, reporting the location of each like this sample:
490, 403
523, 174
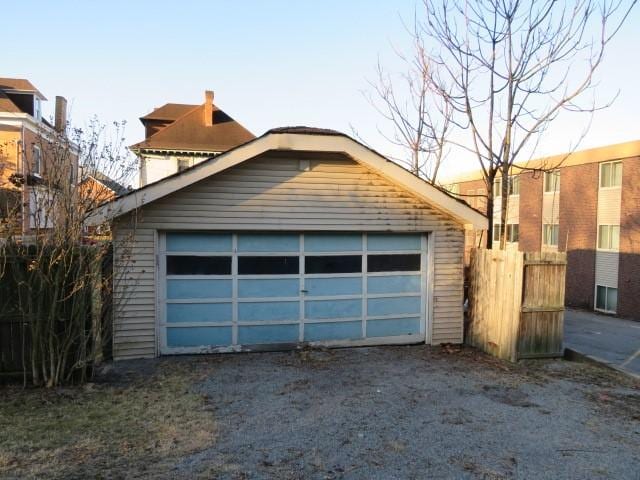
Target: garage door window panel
268, 265
258, 334
199, 336
332, 242
199, 312
330, 309
323, 287
393, 242
268, 311
393, 306
198, 265
269, 243
268, 287
191, 289
198, 242
331, 264
393, 263
390, 284
393, 327
333, 331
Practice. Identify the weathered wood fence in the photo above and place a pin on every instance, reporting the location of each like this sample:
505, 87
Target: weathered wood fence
516, 303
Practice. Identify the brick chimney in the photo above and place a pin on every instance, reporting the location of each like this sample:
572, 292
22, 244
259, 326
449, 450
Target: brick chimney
208, 108
60, 120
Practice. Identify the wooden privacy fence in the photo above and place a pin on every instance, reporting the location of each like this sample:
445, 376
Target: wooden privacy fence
516, 303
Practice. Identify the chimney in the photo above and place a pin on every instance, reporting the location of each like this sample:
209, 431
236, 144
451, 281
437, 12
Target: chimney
208, 108
60, 121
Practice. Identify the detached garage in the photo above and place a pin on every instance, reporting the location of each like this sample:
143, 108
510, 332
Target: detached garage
301, 236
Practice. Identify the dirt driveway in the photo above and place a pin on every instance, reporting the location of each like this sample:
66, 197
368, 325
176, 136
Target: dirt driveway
387, 412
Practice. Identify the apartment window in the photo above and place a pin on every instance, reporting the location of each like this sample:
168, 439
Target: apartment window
183, 164
610, 174
606, 298
514, 185
550, 235
513, 188
496, 232
37, 108
513, 233
609, 237
497, 187
37, 160
552, 181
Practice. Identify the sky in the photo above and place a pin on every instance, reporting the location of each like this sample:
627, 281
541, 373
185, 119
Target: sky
270, 64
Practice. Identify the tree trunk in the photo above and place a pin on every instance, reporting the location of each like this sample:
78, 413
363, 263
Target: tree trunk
490, 201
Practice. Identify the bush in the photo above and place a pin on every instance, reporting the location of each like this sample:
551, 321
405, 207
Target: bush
56, 301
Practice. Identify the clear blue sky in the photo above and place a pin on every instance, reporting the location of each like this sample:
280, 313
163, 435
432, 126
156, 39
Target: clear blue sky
270, 63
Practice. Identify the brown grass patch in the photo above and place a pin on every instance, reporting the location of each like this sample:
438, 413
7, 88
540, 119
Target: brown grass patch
83, 431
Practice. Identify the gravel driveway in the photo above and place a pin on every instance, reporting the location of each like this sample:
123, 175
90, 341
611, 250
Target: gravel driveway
415, 412
360, 413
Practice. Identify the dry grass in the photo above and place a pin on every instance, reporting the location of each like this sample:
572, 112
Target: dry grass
144, 423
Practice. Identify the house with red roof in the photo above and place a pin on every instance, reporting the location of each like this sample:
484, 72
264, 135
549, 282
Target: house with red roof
178, 136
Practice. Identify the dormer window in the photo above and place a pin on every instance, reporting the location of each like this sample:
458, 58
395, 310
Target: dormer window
37, 107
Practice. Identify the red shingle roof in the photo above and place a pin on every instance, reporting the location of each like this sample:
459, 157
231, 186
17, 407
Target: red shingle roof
20, 84
169, 111
189, 133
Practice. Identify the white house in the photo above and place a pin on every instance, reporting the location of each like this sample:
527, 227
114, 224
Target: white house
177, 136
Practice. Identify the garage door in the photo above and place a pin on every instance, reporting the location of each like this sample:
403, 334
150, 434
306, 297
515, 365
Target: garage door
222, 291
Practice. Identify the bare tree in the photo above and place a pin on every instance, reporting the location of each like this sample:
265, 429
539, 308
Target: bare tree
56, 270
507, 69
415, 109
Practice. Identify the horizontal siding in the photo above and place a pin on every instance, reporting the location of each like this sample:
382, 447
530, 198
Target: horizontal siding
607, 268
551, 208
273, 194
447, 325
609, 202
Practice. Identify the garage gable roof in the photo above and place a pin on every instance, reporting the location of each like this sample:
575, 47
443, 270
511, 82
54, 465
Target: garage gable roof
301, 139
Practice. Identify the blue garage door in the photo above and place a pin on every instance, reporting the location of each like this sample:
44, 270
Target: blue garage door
228, 292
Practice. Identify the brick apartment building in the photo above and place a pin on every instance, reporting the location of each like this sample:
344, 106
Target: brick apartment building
587, 203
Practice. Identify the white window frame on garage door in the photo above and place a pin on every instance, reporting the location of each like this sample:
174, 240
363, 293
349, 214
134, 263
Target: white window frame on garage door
426, 290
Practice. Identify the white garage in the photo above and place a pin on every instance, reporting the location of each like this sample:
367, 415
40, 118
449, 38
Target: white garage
301, 236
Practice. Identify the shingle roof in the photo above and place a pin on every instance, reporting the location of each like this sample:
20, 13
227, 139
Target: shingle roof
21, 84
188, 132
169, 111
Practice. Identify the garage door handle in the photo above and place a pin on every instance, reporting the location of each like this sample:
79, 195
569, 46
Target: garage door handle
304, 291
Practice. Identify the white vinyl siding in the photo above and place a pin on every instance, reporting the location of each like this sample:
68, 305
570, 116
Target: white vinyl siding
607, 268
272, 193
